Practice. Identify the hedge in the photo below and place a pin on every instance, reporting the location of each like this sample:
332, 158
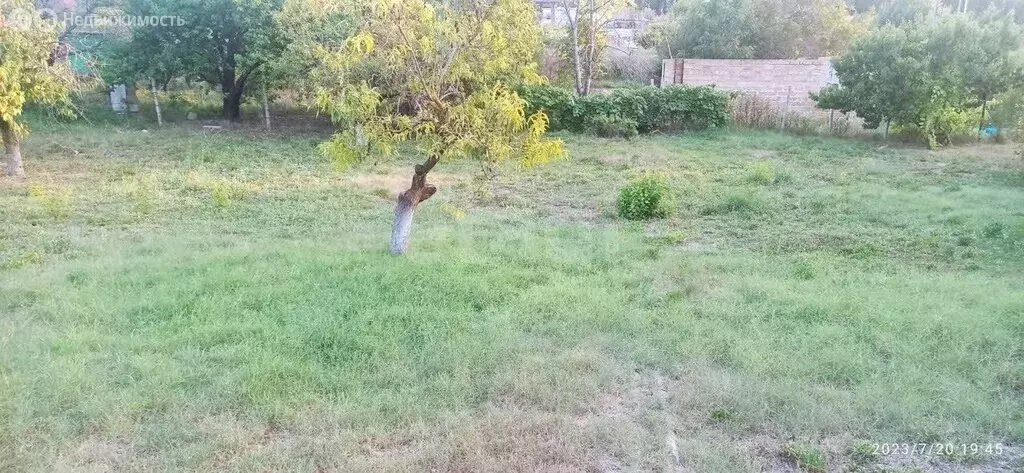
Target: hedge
626, 112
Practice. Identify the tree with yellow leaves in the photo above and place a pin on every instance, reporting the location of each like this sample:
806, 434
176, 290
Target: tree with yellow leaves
440, 76
29, 73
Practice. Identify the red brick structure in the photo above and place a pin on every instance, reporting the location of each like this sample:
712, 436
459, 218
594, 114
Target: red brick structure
772, 79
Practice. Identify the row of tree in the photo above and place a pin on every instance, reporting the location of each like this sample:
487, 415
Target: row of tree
928, 74
758, 29
783, 29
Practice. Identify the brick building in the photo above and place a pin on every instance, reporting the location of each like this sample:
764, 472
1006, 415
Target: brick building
777, 80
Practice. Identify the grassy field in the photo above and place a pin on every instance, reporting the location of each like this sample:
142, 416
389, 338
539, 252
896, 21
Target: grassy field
181, 300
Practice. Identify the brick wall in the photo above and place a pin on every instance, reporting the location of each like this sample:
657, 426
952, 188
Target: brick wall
770, 78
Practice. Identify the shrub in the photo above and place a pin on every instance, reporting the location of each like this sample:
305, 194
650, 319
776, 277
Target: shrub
942, 127
645, 198
840, 125
1007, 110
948, 126
672, 108
691, 108
611, 127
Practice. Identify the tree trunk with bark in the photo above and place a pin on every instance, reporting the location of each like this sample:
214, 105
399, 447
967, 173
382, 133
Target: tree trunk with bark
232, 94
418, 192
12, 148
574, 34
233, 87
591, 49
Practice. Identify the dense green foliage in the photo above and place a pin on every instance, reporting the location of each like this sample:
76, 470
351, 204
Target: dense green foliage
1007, 109
438, 77
762, 29
927, 76
221, 42
307, 27
645, 198
901, 12
888, 10
611, 126
28, 74
644, 109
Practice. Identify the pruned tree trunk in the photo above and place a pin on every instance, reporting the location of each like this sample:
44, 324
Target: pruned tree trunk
418, 192
12, 148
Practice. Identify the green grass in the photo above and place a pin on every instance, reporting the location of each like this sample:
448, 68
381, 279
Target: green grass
174, 300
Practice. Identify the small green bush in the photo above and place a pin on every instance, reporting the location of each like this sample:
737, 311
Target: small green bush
645, 198
761, 172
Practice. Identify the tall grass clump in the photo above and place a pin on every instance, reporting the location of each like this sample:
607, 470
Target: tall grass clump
752, 111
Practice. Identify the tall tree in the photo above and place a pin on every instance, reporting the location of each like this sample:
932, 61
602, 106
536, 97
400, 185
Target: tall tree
440, 77
978, 55
222, 42
587, 22
913, 74
29, 73
764, 29
713, 30
883, 78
